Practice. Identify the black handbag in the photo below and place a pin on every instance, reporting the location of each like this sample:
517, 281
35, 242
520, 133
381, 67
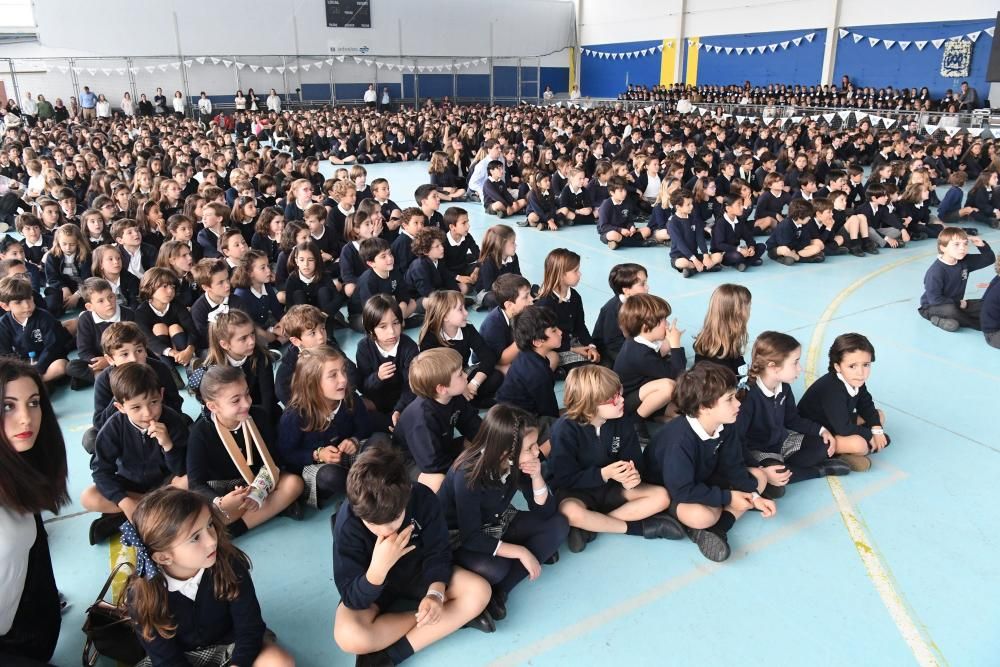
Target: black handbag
109, 630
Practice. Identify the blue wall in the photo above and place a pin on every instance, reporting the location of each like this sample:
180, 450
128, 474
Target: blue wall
876, 66
796, 64
604, 77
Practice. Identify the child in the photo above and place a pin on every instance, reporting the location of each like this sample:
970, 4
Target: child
793, 239
461, 254
36, 242
212, 276
614, 219
330, 241
381, 277
164, 322
771, 203
252, 280
575, 201
410, 224
228, 459
859, 240
305, 327
31, 334
662, 211
390, 546
294, 233
428, 273
357, 228
732, 236
497, 200
300, 192
107, 264
501, 544
840, 402
429, 201
308, 284
497, 257
530, 382
699, 457
624, 280
651, 358
950, 210
67, 265
990, 311
512, 293
213, 218
181, 229
137, 256
101, 311
384, 356
688, 252
346, 196
595, 467
562, 274
883, 227
380, 194
231, 342
943, 301
137, 450
723, 337
543, 213
426, 427
191, 596
786, 446
232, 246
325, 425
447, 325
267, 233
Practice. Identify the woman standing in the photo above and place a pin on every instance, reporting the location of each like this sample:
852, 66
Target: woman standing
179, 104
128, 106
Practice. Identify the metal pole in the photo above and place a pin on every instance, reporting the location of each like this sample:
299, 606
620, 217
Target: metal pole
333, 87
236, 74
74, 79
491, 64
180, 57
378, 98
284, 76
416, 86
13, 80
131, 82
518, 79
454, 82
538, 79
298, 64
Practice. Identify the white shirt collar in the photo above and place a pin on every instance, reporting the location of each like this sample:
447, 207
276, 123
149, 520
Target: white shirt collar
224, 302
458, 336
321, 234
117, 317
391, 352
851, 391
767, 392
453, 243
307, 281
507, 260
37, 244
236, 363
158, 312
186, 587
333, 414
653, 345
700, 431
561, 298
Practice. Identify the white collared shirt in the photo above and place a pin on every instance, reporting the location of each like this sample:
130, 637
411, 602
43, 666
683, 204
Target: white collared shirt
390, 352
653, 345
563, 299
117, 317
135, 262
851, 391
158, 313
458, 336
453, 243
767, 392
307, 281
261, 294
236, 363
700, 431
186, 587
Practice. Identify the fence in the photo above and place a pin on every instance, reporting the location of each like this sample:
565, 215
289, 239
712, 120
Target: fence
299, 80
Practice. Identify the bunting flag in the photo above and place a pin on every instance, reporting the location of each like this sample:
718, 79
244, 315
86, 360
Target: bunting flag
305, 68
903, 45
973, 36
254, 68
784, 45
616, 55
989, 31
920, 45
844, 33
857, 38
200, 60
952, 131
930, 129
828, 117
268, 69
888, 43
756, 48
872, 41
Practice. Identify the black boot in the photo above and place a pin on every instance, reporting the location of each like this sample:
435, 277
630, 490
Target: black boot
772, 492
663, 526
576, 540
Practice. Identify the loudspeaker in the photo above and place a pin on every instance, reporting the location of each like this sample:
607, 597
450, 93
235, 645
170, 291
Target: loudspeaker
993, 69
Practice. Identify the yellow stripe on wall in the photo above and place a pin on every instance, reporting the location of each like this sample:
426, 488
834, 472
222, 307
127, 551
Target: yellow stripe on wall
572, 67
668, 60
691, 76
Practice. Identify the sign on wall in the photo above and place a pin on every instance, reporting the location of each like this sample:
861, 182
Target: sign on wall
956, 59
348, 13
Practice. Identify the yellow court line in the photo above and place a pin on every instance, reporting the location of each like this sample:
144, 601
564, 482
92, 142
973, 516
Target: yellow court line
914, 634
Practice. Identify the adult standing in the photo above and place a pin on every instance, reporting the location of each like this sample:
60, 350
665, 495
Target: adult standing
159, 102
252, 105
103, 107
29, 110
128, 106
386, 99
204, 108
74, 108
60, 112
88, 104
274, 102
32, 480
240, 101
968, 99
145, 106
371, 97
45, 110
180, 104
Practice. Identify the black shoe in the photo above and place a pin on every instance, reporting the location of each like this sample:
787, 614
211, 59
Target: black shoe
483, 623
497, 607
576, 540
176, 375
833, 467
340, 321
662, 526
741, 267
712, 545
106, 526
589, 536
785, 259
551, 560
815, 259
857, 250
686, 273
483, 402
295, 511
971, 231
76, 384
919, 236
838, 250
377, 659
869, 247
995, 224
948, 324
772, 492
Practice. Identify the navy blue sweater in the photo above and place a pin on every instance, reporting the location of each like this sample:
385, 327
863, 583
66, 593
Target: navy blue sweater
951, 202
351, 264
462, 258
827, 402
427, 430
402, 252
579, 452
123, 451
146, 318
569, 318
208, 460
531, 385
612, 217
489, 272
370, 284
638, 364
680, 460
791, 235
428, 563
471, 346
41, 334
726, 237
265, 311
496, 331
200, 312
104, 400
424, 277
989, 317
88, 334
764, 422
608, 335
945, 283
686, 239
393, 394
296, 445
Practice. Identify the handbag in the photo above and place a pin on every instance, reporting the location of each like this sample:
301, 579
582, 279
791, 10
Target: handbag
109, 630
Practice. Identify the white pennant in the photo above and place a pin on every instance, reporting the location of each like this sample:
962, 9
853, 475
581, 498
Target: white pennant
797, 41
828, 117
844, 115
268, 69
240, 65
872, 41
318, 64
227, 63
644, 51
937, 43
986, 134
200, 60
739, 51
421, 68
810, 36
188, 63
930, 129
329, 61
340, 59
305, 68
368, 62
671, 45
796, 120
903, 46
148, 68
888, 122
106, 71
767, 120
120, 70
215, 61
254, 68
974, 35
134, 70
920, 45
952, 131
784, 45
844, 33
857, 38
357, 60
92, 72
280, 70
875, 119
379, 65
773, 47
989, 31
439, 68
888, 43
860, 116
718, 49
175, 65
740, 119
728, 50
293, 68
162, 68
411, 67
77, 69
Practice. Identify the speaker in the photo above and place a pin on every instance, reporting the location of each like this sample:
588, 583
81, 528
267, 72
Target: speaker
993, 69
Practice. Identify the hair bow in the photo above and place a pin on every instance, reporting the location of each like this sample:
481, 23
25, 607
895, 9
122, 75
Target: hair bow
144, 565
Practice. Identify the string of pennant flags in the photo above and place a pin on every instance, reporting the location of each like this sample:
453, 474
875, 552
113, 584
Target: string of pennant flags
918, 44
211, 60
627, 55
750, 50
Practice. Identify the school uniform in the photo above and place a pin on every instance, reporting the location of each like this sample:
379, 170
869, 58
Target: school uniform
773, 432
832, 403
769, 206
697, 467
371, 283
612, 217
989, 316
204, 621
210, 470
530, 385
89, 329
127, 460
489, 272
126, 290
659, 217
639, 362
393, 394
204, 312
402, 251
981, 200
920, 219
296, 445
330, 242
598, 191
426, 276
493, 192
35, 252
481, 517
791, 235
351, 265
579, 451
208, 241
266, 245
608, 336
570, 319
41, 337
409, 578
686, 239
496, 331
461, 255
62, 271
104, 407
944, 288
426, 429
574, 201
729, 235
146, 316
477, 357
263, 307
294, 212
950, 205
544, 205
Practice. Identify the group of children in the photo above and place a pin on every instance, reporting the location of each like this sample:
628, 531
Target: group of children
244, 297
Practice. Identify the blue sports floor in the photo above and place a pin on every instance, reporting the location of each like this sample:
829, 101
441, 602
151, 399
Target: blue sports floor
895, 566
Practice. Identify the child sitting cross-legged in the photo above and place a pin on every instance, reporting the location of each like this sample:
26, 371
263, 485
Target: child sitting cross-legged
29, 333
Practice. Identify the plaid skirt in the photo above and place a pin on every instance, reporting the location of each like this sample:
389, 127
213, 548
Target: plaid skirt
792, 444
218, 655
495, 529
310, 472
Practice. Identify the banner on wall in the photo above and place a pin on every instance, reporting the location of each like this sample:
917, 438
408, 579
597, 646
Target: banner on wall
956, 59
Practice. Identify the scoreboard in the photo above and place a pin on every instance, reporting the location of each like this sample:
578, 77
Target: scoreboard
348, 14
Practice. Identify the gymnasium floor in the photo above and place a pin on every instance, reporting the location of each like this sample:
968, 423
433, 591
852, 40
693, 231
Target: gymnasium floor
889, 567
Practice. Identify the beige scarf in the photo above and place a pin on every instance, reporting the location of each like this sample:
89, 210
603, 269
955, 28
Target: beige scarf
243, 458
